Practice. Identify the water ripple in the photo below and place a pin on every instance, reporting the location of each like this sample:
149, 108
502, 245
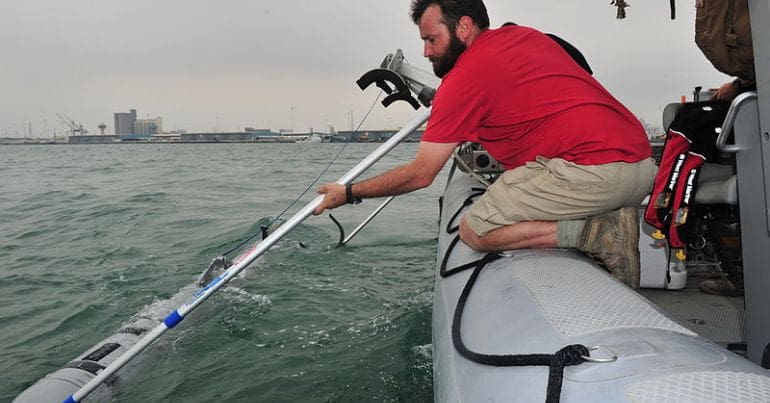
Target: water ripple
95, 237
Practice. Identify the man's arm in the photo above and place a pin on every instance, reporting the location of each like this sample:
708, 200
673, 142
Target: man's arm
417, 174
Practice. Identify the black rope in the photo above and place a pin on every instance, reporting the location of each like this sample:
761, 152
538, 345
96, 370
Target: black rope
468, 201
341, 241
443, 270
570, 355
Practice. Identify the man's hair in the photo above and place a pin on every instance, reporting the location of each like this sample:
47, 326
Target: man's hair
452, 10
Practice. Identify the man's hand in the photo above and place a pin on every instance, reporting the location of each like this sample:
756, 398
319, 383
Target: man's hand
334, 196
414, 175
726, 92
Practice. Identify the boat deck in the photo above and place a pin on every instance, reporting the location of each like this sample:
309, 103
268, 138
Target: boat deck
717, 318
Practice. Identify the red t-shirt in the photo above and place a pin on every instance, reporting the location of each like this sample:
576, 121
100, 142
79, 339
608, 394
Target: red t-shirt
519, 94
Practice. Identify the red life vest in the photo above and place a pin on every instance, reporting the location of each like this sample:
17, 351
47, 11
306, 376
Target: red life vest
690, 142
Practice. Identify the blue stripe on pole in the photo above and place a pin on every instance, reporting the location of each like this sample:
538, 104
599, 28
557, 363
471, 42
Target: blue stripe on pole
173, 319
70, 399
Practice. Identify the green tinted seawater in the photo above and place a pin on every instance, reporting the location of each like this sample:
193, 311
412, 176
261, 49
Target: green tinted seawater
92, 235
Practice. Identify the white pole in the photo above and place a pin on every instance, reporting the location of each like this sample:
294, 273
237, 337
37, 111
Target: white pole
242, 262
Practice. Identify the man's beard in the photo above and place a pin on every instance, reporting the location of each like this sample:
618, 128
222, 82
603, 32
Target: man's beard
444, 63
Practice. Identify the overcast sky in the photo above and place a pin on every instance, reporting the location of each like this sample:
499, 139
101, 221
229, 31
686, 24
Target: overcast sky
224, 65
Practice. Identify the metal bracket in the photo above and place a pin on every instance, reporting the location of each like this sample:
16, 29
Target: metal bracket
383, 77
399, 80
218, 265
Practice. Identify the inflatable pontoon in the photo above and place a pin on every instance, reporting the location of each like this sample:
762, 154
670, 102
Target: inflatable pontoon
528, 305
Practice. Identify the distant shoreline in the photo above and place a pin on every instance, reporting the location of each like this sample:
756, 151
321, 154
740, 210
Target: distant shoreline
34, 143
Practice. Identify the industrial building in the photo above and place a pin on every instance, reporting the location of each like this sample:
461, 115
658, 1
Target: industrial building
127, 123
124, 122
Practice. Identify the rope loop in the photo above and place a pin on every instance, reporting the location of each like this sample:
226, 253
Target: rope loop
571, 355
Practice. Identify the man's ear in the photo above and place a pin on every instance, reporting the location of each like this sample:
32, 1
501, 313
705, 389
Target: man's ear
464, 28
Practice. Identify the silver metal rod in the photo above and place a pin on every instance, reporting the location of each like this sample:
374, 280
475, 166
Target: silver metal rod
244, 260
369, 218
727, 126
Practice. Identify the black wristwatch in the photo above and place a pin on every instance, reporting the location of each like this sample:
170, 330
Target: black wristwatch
349, 195
737, 85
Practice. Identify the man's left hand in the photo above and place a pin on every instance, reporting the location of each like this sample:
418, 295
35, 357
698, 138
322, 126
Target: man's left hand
726, 92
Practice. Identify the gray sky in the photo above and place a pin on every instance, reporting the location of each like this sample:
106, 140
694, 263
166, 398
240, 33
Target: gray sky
228, 64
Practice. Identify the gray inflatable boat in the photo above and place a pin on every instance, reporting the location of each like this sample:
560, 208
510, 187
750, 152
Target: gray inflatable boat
530, 304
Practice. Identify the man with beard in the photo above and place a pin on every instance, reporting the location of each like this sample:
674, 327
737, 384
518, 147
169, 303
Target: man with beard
577, 161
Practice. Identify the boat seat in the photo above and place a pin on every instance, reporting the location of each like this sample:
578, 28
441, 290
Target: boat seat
669, 113
717, 183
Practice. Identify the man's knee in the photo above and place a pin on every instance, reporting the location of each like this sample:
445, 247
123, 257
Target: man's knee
469, 237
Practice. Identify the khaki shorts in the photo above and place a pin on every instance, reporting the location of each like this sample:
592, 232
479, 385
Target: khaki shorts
554, 190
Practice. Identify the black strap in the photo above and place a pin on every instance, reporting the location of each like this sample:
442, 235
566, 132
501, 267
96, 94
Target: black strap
571, 50
349, 198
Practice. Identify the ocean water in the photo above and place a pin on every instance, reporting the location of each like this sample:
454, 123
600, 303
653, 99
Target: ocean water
93, 235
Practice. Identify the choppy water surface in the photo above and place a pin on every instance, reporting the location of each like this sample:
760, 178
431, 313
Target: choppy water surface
92, 235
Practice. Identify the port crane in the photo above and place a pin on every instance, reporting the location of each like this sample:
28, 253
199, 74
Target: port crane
74, 128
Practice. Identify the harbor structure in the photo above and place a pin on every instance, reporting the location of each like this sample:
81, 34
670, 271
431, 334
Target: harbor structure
248, 135
371, 136
128, 124
148, 127
124, 122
